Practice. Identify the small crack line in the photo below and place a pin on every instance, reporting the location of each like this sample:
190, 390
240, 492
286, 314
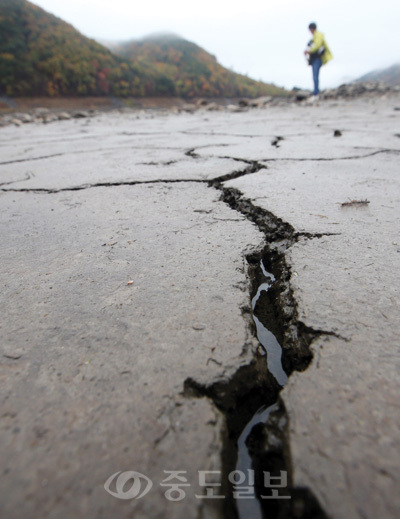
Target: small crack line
31, 159
329, 159
253, 167
317, 332
192, 153
104, 184
28, 176
82, 152
217, 134
294, 159
313, 235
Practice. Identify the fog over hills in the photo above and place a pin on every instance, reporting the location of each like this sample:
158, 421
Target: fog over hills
390, 75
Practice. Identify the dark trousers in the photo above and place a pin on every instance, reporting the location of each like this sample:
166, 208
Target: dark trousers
316, 65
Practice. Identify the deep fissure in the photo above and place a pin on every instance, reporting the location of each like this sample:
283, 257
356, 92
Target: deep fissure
251, 396
256, 435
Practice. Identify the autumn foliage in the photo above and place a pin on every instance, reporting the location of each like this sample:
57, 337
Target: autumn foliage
40, 55
187, 70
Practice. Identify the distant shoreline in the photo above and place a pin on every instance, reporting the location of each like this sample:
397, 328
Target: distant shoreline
104, 103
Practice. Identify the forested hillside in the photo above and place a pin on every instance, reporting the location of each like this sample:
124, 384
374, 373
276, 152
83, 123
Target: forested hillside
41, 55
189, 70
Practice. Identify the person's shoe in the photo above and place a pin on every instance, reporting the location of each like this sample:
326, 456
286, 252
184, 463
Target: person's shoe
312, 99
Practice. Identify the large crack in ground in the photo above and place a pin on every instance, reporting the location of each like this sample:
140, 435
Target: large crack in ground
256, 419
255, 416
255, 440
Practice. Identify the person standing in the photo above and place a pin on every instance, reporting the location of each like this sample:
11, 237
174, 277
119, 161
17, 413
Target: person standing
318, 54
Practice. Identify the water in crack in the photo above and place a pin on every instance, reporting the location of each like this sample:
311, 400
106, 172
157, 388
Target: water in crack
274, 352
251, 508
268, 339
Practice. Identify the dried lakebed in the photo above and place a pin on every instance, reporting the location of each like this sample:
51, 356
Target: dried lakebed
133, 249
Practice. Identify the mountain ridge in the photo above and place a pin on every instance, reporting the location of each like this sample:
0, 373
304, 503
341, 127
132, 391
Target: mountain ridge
189, 69
389, 75
41, 55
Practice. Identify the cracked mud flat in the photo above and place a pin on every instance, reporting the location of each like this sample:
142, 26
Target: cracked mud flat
101, 376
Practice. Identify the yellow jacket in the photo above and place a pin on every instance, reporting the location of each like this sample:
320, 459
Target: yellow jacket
318, 42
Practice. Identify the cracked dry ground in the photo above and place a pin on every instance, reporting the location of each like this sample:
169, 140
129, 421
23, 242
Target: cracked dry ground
131, 248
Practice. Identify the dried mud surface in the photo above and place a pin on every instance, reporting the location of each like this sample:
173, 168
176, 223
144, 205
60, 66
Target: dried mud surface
131, 249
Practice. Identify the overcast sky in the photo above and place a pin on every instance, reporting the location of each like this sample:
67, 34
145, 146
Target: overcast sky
261, 38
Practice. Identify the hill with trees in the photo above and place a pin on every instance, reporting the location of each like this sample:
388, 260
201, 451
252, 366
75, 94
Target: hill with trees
188, 70
41, 55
